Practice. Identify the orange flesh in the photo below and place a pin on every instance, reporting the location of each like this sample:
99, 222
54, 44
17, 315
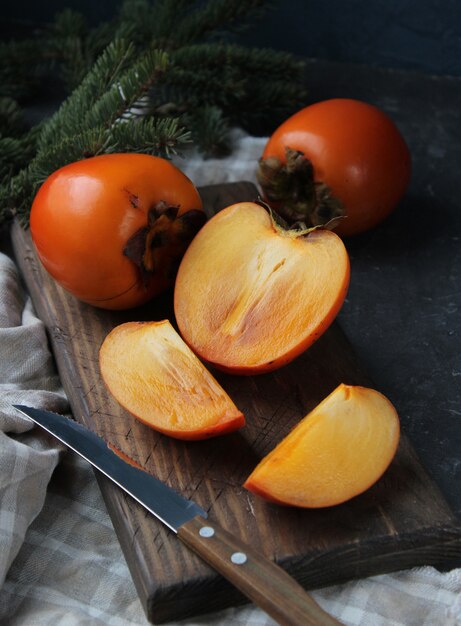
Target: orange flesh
154, 375
250, 298
336, 452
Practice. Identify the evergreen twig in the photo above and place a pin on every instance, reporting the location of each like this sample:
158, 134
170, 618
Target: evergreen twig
11, 118
210, 130
213, 18
106, 71
91, 122
176, 81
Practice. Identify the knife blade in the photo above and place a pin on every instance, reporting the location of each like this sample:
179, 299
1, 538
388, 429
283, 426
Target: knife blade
260, 579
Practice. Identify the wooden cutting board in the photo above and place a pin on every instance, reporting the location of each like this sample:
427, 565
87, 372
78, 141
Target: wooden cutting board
401, 522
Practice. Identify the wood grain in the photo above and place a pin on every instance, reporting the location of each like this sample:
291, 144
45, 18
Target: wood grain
401, 522
260, 579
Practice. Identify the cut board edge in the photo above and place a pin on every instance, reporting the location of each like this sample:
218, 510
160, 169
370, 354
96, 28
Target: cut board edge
437, 545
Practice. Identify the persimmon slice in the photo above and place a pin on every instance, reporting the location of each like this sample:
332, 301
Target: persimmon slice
250, 296
336, 452
153, 374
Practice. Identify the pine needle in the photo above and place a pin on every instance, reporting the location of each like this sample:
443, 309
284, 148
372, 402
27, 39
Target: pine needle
156, 77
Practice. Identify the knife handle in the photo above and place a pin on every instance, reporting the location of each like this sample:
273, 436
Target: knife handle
259, 578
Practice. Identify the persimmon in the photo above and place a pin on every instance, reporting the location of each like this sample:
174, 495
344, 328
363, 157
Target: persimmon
111, 229
336, 158
250, 296
339, 450
153, 374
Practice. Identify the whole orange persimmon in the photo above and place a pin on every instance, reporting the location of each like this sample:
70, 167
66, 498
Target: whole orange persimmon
337, 158
112, 229
250, 296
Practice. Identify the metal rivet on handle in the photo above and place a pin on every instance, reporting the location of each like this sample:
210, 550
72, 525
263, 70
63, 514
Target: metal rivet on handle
239, 558
206, 531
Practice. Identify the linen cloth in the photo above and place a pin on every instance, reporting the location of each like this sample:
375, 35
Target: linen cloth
60, 561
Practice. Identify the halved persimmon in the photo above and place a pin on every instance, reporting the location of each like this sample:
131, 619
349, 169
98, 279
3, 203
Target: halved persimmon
153, 374
250, 296
336, 452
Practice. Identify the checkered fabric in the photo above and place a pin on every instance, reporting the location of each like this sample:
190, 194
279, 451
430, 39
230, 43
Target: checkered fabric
60, 561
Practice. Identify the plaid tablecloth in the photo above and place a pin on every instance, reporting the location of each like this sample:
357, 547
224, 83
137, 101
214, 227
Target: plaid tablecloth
60, 561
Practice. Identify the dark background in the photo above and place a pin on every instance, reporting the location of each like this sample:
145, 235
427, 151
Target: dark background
403, 310
403, 34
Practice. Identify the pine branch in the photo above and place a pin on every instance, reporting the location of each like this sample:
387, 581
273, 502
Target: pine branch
172, 84
174, 23
230, 69
147, 23
210, 131
12, 122
247, 85
156, 136
263, 62
228, 78
11, 153
80, 129
191, 88
272, 101
212, 17
247, 63
17, 144
124, 94
85, 143
105, 72
159, 137
74, 46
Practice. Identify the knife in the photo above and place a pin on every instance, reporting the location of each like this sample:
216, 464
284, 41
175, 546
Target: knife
260, 579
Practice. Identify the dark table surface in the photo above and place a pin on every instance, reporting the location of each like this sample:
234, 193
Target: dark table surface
402, 313
403, 310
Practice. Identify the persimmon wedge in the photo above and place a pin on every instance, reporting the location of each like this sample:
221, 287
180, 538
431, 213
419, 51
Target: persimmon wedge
153, 374
250, 296
339, 450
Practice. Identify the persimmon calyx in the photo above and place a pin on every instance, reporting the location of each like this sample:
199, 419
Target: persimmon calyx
298, 228
160, 245
297, 196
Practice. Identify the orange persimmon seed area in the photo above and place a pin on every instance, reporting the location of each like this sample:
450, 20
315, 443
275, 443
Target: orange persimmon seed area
153, 374
336, 452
